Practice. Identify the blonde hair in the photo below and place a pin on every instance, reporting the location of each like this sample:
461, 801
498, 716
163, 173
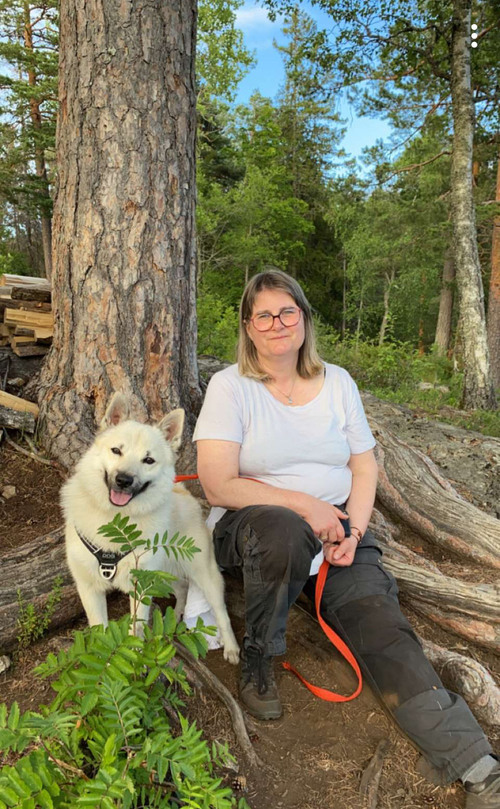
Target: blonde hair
309, 363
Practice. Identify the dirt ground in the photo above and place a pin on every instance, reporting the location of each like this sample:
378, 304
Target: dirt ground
313, 757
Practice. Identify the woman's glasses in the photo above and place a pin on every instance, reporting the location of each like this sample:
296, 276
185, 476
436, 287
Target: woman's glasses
264, 321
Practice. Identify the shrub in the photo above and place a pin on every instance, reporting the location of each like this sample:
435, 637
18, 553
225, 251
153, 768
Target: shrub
33, 623
106, 740
217, 327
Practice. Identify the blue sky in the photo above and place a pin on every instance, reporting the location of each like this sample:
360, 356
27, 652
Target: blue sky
267, 75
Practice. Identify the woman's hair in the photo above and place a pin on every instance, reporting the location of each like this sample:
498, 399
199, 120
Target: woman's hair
309, 363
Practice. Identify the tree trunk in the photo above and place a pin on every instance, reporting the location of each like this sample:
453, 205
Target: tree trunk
389, 280
478, 389
494, 294
124, 247
443, 327
344, 294
40, 167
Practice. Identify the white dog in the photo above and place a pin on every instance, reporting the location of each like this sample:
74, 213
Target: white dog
130, 469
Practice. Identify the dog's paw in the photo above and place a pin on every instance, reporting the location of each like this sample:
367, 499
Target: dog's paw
232, 654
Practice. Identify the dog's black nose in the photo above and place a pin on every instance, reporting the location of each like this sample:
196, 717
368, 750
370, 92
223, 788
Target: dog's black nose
123, 481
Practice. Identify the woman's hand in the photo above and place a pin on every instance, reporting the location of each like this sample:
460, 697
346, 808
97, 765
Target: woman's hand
324, 520
340, 554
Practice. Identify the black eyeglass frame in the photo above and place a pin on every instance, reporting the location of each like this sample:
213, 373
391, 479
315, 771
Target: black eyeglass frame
286, 325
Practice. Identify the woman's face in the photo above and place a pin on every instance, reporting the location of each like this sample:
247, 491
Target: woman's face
280, 340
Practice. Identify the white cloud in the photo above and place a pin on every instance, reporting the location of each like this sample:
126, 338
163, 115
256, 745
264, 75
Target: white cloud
250, 18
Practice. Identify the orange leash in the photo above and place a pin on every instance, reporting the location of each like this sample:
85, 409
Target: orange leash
322, 693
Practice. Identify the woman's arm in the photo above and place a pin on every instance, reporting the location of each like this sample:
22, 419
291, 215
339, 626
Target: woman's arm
218, 471
359, 506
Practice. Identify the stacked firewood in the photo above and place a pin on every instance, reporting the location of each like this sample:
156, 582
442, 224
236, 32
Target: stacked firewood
26, 327
26, 319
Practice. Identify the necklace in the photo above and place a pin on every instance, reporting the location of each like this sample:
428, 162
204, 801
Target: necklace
287, 396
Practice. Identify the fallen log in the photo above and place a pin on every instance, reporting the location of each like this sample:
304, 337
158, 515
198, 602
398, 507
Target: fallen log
28, 573
411, 487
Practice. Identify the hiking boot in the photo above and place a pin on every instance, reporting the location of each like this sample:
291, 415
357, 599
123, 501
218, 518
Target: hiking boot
258, 690
485, 794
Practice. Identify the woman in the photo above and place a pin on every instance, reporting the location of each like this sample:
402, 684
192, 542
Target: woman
284, 454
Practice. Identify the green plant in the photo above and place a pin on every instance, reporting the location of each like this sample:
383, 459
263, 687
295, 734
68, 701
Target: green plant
217, 327
33, 623
147, 584
106, 741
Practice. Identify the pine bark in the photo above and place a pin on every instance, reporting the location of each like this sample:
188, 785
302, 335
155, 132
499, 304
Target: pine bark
494, 293
478, 388
443, 327
123, 226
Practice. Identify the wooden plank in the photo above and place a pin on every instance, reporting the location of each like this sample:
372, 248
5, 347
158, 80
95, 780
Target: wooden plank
39, 319
23, 280
42, 333
30, 293
23, 339
35, 350
16, 403
25, 306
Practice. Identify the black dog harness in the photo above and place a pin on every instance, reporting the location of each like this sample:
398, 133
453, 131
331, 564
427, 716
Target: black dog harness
108, 560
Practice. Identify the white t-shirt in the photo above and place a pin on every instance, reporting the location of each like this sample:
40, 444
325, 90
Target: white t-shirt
304, 448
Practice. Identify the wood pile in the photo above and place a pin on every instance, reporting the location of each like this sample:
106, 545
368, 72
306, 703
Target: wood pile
26, 319
26, 327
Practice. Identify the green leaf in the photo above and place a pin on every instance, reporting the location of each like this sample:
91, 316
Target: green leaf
89, 702
169, 622
8, 796
190, 644
13, 720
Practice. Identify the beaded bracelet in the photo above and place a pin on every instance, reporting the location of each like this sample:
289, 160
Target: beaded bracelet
360, 535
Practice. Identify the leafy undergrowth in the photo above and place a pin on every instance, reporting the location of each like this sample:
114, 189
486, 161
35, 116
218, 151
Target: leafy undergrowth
106, 740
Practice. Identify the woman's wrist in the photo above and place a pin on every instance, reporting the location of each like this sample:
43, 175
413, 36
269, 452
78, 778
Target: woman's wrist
356, 533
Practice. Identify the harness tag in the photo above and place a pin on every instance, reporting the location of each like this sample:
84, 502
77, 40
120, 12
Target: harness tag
107, 571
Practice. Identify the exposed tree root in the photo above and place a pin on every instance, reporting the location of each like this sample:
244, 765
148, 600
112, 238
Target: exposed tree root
371, 775
237, 719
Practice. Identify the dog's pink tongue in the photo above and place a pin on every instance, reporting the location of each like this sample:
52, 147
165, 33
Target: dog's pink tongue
119, 498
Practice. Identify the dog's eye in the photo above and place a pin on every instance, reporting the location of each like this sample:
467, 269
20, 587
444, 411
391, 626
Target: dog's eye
148, 459
116, 450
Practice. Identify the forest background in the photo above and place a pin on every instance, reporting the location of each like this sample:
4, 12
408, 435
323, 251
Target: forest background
371, 244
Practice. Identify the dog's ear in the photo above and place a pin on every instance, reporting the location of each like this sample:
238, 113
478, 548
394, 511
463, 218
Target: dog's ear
118, 410
171, 426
